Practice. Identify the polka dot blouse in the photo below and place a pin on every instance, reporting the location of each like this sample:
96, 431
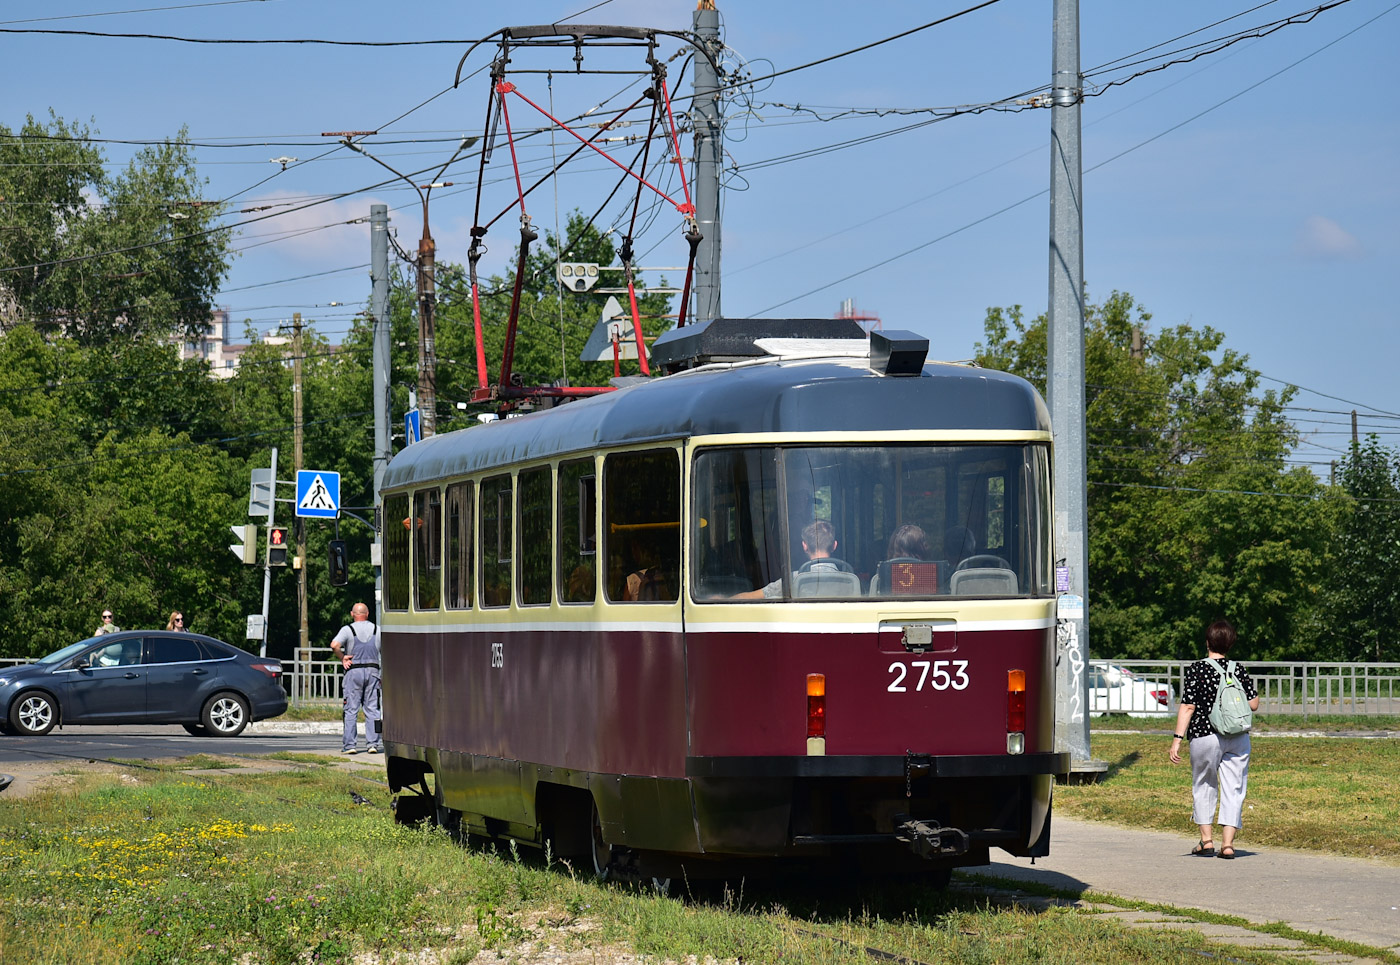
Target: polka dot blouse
1199, 689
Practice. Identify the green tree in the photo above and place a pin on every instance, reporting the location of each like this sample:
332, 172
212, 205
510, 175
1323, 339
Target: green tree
1194, 512
1363, 589
98, 256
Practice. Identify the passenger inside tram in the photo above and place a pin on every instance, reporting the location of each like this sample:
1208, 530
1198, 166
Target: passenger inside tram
907, 568
822, 575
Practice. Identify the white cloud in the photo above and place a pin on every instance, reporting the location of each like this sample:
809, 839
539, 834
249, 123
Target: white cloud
1322, 238
311, 234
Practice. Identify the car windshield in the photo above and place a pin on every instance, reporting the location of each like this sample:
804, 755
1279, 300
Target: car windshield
866, 521
58, 656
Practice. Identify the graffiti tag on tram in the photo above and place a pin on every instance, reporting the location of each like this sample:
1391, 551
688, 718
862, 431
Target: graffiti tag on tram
939, 679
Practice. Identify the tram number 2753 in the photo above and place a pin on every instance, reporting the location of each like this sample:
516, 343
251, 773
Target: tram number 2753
932, 675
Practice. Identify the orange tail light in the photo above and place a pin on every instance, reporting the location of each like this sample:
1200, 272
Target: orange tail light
816, 705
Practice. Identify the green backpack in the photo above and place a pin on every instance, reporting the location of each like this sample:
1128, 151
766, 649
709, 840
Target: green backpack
1230, 714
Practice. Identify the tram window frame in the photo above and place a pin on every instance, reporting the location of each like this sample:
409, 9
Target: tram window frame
396, 537
458, 576
533, 574
642, 566
577, 566
427, 549
494, 531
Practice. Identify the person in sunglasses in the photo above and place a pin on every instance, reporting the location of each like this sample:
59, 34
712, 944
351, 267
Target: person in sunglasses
176, 622
107, 625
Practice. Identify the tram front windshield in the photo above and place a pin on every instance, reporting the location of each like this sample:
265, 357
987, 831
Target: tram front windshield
852, 523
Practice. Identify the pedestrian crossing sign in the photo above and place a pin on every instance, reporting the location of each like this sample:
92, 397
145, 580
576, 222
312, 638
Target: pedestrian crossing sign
318, 493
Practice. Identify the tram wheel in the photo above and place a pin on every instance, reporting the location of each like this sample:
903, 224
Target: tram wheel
604, 855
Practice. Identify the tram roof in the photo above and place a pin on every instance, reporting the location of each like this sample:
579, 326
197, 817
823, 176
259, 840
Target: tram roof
776, 395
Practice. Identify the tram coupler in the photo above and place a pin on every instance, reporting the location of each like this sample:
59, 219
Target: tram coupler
928, 841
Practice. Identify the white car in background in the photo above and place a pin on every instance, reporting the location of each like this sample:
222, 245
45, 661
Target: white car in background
1116, 690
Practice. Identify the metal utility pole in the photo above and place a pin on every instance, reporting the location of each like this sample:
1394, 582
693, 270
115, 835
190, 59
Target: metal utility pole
379, 319
303, 641
1066, 388
709, 160
267, 570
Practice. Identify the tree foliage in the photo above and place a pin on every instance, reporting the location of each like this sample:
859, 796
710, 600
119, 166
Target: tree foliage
1194, 512
1363, 591
97, 256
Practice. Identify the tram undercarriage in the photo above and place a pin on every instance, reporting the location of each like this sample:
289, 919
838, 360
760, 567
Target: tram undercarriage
707, 826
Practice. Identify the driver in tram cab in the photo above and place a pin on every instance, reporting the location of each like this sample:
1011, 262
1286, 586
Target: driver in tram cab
818, 542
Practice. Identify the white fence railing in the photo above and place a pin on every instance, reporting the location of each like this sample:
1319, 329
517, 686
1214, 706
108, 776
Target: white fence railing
1307, 688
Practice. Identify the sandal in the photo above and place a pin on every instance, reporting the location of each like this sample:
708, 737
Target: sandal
1230, 848
1206, 849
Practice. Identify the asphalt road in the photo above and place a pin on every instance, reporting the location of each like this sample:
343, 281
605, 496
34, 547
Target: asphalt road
155, 741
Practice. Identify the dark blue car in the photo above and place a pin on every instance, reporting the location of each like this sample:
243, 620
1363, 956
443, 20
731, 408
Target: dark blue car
143, 677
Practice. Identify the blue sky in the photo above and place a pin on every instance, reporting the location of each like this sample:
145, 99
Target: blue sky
1273, 216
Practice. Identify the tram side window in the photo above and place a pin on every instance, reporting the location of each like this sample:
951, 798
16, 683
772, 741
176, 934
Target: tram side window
641, 525
494, 550
736, 535
535, 510
396, 536
578, 532
459, 546
427, 556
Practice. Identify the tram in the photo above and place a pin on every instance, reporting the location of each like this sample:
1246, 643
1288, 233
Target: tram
667, 629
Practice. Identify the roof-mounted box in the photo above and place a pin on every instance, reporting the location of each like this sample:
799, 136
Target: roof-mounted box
897, 353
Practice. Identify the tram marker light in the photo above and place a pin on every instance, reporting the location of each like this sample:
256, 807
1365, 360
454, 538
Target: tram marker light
1015, 711
816, 705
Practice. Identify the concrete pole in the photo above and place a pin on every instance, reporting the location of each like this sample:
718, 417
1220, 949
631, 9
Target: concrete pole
1066, 386
379, 320
709, 160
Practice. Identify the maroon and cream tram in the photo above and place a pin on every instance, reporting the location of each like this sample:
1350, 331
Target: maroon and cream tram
601, 629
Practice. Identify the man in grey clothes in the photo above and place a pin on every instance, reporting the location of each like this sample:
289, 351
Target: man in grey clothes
357, 646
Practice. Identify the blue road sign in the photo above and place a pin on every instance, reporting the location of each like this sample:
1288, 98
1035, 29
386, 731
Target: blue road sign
411, 427
318, 493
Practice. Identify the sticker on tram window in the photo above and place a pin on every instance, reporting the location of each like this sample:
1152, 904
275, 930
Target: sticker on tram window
919, 675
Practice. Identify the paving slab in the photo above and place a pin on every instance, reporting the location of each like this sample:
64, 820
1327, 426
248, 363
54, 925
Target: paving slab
1349, 898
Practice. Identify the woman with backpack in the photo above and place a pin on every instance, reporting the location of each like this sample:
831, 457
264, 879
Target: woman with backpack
1218, 700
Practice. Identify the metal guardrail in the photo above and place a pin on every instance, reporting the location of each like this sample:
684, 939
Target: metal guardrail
1306, 688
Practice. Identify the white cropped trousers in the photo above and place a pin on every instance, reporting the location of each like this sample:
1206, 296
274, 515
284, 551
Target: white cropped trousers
1219, 772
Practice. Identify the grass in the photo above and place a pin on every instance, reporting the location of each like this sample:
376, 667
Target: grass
1337, 795
160, 867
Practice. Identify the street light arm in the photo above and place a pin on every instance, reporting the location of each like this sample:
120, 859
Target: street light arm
413, 184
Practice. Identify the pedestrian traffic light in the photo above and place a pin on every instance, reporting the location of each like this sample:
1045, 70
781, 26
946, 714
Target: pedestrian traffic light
247, 549
339, 563
277, 546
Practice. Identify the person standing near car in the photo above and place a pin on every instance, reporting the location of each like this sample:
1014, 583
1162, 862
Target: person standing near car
357, 646
176, 622
107, 625
1219, 762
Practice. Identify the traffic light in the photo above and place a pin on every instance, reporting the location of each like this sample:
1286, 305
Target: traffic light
247, 550
339, 563
277, 546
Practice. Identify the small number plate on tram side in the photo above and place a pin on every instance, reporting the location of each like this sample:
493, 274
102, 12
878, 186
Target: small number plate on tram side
918, 675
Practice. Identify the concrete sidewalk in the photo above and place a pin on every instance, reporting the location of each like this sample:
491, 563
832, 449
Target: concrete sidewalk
1348, 898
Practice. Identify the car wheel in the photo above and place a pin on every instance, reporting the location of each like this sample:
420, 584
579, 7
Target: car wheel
197, 730
225, 715
33, 713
